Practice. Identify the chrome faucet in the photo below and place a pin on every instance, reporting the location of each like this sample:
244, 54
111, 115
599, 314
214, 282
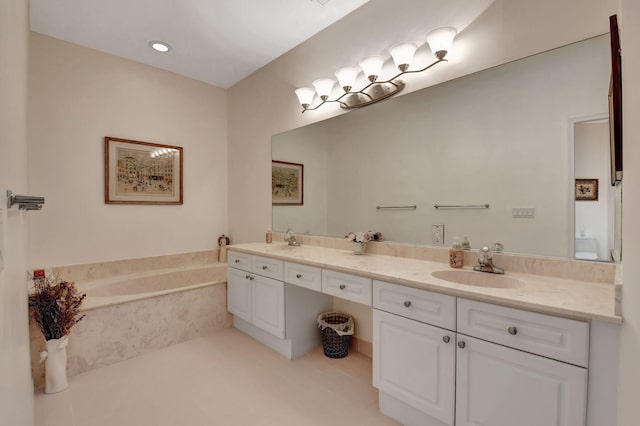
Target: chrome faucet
290, 238
486, 262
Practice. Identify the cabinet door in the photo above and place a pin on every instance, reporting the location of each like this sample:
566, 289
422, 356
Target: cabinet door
239, 293
498, 386
415, 362
268, 305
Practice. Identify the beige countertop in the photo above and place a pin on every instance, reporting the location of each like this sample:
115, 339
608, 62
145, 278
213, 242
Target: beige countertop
551, 295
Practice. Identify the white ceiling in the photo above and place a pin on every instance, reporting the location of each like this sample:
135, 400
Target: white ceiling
216, 41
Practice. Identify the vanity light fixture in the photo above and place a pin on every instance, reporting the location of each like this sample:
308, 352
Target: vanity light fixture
439, 40
160, 46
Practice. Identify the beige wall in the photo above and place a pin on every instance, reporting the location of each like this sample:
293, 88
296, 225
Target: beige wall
76, 97
16, 386
630, 352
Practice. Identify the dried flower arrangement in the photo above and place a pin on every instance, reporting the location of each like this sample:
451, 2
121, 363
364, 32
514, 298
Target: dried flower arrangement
55, 305
364, 237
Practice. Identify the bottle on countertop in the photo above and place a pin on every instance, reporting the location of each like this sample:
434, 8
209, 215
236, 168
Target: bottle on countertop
465, 244
223, 241
456, 254
269, 236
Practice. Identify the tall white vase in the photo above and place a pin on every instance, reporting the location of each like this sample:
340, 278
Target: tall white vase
55, 365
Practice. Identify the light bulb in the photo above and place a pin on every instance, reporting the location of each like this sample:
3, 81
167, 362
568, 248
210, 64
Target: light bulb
305, 96
402, 55
347, 77
372, 67
440, 40
324, 87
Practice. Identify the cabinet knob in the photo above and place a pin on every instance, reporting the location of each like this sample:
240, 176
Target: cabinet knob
249, 277
237, 261
342, 286
298, 276
512, 330
446, 339
461, 344
407, 303
264, 267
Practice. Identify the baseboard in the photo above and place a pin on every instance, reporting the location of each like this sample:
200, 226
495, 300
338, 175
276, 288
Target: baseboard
360, 346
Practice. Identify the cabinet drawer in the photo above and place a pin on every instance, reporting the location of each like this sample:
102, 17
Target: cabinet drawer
346, 286
558, 338
304, 276
421, 305
265, 266
239, 260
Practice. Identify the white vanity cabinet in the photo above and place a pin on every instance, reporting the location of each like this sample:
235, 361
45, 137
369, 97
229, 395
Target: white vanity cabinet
498, 385
272, 311
413, 356
503, 366
255, 298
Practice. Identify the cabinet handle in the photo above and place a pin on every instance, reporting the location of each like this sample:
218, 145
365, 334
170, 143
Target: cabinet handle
237, 260
264, 267
512, 330
407, 303
446, 339
461, 344
299, 276
249, 277
342, 286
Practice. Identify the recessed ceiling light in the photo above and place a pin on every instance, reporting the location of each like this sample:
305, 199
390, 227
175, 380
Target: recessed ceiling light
159, 46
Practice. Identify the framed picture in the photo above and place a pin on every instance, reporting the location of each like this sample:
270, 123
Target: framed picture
287, 186
586, 189
141, 172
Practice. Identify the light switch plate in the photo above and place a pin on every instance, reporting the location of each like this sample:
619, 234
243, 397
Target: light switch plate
437, 234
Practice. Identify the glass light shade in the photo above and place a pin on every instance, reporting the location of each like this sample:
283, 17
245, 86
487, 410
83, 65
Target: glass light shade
440, 40
324, 87
305, 96
402, 55
347, 77
372, 67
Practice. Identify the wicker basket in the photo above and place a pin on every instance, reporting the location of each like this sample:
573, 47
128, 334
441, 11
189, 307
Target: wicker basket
335, 328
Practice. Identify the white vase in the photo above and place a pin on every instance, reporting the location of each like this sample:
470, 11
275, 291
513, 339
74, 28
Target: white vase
358, 248
55, 365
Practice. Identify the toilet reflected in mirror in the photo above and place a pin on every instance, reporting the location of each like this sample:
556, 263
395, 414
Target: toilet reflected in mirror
586, 248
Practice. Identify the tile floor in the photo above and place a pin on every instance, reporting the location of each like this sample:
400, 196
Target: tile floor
225, 378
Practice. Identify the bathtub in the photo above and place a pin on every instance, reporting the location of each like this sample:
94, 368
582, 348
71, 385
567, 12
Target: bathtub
140, 310
142, 285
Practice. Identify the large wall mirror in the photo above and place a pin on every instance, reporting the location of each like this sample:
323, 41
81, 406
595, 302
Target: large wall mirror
514, 137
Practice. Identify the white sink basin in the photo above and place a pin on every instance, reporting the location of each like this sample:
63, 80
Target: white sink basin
477, 279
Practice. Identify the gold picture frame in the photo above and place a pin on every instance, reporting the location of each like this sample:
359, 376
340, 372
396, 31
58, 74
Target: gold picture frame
586, 190
287, 183
142, 172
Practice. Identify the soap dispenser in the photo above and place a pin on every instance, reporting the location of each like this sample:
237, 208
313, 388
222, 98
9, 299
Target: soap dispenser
456, 254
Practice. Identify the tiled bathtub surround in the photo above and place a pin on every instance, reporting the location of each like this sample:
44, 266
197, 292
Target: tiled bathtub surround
140, 309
